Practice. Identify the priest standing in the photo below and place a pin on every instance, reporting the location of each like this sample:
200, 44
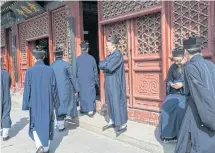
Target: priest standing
115, 86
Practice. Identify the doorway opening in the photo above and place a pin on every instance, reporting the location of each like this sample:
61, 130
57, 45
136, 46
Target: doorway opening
45, 43
90, 27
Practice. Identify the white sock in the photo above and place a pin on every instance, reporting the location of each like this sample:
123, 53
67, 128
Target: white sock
91, 112
47, 148
110, 122
37, 140
122, 126
60, 124
5, 132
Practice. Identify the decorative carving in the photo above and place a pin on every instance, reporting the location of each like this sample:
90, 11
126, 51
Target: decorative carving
148, 84
4, 57
22, 34
115, 8
120, 30
190, 17
60, 28
148, 33
127, 83
37, 27
2, 37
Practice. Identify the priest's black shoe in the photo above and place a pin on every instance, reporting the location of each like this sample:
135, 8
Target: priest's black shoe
108, 127
120, 131
47, 152
6, 138
60, 130
40, 150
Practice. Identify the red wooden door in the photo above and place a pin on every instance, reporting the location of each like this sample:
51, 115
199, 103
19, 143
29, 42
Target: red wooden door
11, 57
147, 66
123, 31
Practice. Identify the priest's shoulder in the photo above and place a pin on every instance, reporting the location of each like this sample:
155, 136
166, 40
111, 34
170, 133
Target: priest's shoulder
4, 72
117, 53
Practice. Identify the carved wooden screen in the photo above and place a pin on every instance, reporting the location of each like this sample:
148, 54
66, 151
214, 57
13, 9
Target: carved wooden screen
37, 27
121, 30
22, 47
146, 65
2, 37
3, 51
112, 9
4, 58
59, 27
190, 17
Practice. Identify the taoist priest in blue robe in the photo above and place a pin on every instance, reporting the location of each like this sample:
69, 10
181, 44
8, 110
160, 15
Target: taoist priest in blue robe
68, 87
40, 98
198, 126
173, 108
87, 74
5, 103
115, 86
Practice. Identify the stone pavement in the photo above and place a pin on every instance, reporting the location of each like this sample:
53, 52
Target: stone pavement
138, 134
74, 140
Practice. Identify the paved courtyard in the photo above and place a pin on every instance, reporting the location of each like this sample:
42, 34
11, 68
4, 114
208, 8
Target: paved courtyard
74, 140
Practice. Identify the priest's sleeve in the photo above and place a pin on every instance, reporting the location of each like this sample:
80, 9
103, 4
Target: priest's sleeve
27, 92
73, 79
202, 95
169, 79
114, 63
55, 95
95, 71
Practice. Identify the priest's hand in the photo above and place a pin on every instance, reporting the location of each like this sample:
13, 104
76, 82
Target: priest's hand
177, 85
76, 94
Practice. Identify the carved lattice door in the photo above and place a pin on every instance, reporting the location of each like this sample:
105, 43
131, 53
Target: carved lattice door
122, 31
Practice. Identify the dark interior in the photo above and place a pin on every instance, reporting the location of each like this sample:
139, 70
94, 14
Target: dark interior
45, 43
90, 22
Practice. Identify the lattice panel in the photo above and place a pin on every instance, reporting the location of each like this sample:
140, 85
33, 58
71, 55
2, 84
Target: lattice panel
148, 31
37, 27
2, 37
120, 30
115, 8
22, 34
60, 28
4, 58
190, 17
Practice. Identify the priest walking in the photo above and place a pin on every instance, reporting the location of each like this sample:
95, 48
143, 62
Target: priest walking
40, 98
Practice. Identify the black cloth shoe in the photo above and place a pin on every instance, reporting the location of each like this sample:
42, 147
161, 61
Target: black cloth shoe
40, 150
47, 151
6, 138
60, 130
169, 140
120, 131
108, 127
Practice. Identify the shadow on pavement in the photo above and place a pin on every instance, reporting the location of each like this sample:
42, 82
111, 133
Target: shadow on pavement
58, 136
18, 126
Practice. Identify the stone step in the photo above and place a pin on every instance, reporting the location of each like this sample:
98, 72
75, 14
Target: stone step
140, 135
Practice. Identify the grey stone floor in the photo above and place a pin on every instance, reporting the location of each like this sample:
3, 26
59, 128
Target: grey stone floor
74, 140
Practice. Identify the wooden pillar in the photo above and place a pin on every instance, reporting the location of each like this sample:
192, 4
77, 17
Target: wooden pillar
101, 51
165, 45
50, 39
75, 9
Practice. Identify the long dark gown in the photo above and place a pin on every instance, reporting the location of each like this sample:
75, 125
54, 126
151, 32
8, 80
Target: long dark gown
200, 91
41, 98
5, 99
87, 75
115, 87
173, 108
67, 87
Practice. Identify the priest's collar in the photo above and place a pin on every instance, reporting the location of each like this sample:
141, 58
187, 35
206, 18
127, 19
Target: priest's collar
39, 62
196, 57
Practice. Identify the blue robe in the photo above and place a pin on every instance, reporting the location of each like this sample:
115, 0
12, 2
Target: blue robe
199, 120
115, 87
173, 108
41, 98
67, 87
5, 99
87, 74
